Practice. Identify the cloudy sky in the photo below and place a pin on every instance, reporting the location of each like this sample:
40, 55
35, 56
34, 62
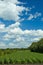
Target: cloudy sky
21, 22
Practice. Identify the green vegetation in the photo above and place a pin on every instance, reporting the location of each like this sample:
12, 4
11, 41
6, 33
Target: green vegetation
23, 56
37, 46
13, 56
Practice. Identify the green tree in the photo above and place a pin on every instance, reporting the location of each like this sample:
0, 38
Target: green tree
37, 46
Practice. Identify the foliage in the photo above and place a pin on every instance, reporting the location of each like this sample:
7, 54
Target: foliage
37, 46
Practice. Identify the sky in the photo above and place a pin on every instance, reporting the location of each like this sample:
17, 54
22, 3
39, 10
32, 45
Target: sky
21, 23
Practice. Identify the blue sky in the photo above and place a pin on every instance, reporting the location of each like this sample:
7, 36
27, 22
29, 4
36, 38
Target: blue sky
21, 22
35, 23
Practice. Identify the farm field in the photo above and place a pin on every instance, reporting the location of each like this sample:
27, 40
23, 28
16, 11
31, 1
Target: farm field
15, 56
21, 64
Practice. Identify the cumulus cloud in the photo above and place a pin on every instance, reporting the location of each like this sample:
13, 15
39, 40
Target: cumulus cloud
2, 27
14, 37
9, 10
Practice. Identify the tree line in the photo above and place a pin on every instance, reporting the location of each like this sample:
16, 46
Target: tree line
37, 46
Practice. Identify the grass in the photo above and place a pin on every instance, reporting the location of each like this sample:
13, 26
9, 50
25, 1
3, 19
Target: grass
20, 57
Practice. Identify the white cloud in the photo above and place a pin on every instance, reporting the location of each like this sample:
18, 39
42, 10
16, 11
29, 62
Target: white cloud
12, 1
34, 16
30, 17
14, 37
10, 11
19, 39
35, 39
2, 27
1, 44
37, 14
